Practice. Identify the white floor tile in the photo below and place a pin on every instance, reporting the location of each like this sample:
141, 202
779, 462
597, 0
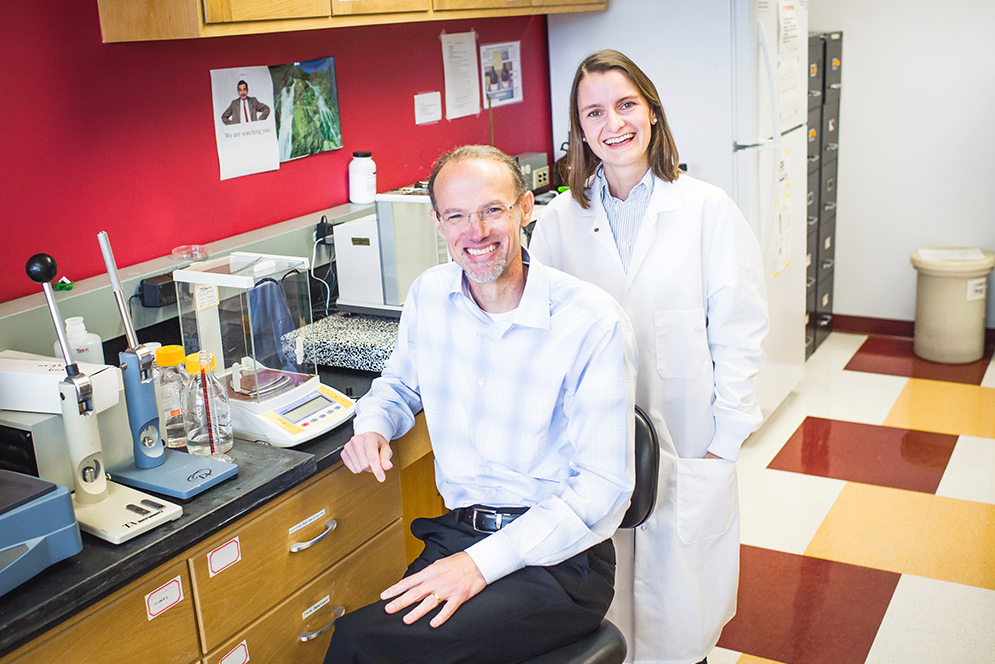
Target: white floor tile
970, 472
723, 656
989, 379
853, 396
835, 352
931, 621
781, 510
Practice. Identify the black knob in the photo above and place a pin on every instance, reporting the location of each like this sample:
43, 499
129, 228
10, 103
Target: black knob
41, 268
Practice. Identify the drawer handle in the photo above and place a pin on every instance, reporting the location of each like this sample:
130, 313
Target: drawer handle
809, 282
300, 546
814, 158
829, 206
833, 146
309, 636
827, 264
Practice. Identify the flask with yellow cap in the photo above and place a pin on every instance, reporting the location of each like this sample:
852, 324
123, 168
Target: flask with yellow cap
207, 418
172, 383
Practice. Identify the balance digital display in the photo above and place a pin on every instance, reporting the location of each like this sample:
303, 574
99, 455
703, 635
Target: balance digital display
307, 411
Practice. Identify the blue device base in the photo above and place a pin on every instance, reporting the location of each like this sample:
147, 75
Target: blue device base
181, 475
36, 535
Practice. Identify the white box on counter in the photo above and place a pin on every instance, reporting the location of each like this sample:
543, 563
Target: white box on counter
30, 383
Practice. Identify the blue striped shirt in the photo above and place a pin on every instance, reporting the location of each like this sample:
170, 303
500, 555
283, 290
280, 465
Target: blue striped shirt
625, 216
533, 411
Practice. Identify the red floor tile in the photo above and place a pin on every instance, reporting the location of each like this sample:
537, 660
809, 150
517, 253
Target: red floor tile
884, 456
894, 356
798, 609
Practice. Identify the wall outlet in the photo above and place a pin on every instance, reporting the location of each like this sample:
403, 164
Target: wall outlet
540, 177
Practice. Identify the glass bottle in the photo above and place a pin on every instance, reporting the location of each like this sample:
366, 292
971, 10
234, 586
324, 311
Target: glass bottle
207, 418
172, 385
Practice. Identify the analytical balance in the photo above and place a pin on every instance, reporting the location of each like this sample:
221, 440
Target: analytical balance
246, 309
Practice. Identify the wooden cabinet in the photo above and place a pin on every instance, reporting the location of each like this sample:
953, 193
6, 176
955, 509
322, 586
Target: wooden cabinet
299, 628
446, 5
355, 7
249, 567
228, 11
119, 628
128, 20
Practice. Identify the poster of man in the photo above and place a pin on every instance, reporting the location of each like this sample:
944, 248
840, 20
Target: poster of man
244, 126
244, 108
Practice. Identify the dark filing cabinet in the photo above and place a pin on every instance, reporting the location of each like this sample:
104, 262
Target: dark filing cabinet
824, 84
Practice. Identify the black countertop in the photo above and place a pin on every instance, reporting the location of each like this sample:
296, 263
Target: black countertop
101, 568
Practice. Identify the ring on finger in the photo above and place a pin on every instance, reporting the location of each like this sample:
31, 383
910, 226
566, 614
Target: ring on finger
438, 600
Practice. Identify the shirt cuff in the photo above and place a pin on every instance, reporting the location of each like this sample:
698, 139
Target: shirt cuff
495, 557
728, 439
375, 424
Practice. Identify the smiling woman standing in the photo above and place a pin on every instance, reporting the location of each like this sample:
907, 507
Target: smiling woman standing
681, 259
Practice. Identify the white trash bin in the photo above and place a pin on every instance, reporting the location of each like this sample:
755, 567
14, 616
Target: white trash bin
951, 287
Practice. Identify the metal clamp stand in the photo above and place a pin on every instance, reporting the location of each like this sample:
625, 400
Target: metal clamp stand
154, 468
105, 509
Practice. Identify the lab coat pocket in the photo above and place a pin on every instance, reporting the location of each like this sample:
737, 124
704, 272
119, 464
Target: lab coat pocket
681, 343
706, 498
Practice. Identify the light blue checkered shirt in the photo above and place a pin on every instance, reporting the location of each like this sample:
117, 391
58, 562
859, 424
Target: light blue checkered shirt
535, 411
625, 216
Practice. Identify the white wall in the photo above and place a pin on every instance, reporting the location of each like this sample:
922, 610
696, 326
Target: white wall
917, 142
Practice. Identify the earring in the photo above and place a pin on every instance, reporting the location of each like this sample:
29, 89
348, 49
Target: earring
653, 121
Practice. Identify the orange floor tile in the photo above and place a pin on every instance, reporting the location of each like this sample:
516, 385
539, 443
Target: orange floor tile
872, 526
932, 405
956, 543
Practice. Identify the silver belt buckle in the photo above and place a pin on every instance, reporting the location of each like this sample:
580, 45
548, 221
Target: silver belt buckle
498, 524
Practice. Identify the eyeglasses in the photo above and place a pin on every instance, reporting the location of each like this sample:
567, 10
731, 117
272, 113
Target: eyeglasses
489, 214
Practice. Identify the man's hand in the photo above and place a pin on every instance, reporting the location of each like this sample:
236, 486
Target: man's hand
450, 581
368, 452
709, 455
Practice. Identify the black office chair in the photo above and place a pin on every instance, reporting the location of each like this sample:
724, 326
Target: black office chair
606, 645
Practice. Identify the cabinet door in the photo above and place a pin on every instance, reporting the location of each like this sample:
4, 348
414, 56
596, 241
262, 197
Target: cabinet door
566, 3
299, 629
350, 7
231, 11
120, 629
479, 4
252, 566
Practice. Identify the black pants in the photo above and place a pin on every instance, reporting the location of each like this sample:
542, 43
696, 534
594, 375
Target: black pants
527, 613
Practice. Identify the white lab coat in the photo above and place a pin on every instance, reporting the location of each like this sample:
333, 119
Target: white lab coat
696, 297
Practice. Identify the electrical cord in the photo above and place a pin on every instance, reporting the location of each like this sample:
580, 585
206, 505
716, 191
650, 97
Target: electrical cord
325, 287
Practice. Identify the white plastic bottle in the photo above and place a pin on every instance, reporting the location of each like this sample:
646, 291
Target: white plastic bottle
362, 178
206, 417
85, 346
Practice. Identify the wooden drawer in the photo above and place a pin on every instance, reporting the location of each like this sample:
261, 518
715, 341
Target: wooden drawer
354, 582
253, 563
118, 629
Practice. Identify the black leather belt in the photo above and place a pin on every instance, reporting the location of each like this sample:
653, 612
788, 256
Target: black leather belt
489, 519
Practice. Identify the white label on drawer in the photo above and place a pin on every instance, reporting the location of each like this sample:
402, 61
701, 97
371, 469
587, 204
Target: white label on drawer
237, 655
307, 522
164, 597
317, 605
976, 288
224, 557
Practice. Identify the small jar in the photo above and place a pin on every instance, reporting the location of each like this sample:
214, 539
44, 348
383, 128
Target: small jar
362, 178
172, 384
206, 418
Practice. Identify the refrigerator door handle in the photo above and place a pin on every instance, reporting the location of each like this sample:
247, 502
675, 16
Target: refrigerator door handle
766, 228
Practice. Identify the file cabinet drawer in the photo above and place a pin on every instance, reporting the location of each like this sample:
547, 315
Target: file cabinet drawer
151, 620
814, 137
253, 565
353, 582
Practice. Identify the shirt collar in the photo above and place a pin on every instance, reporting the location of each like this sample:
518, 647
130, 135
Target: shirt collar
533, 310
645, 184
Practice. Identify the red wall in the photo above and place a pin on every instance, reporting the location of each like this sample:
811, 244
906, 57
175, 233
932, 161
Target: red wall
120, 137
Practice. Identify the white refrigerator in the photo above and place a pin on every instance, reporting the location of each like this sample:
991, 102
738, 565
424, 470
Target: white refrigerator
732, 78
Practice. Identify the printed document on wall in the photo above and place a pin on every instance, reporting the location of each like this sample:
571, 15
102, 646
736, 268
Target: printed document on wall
459, 62
501, 73
789, 34
243, 121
